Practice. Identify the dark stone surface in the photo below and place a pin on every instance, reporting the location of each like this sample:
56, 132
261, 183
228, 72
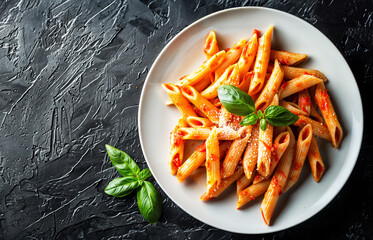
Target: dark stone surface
71, 74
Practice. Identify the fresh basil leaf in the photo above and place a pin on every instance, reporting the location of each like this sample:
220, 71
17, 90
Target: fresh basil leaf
249, 120
149, 202
279, 116
260, 114
120, 187
235, 100
144, 174
263, 124
125, 165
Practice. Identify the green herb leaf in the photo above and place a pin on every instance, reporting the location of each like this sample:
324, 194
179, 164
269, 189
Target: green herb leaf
144, 174
263, 124
122, 161
249, 120
120, 187
149, 202
279, 116
260, 114
235, 100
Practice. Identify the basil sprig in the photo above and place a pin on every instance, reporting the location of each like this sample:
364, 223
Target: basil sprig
148, 198
240, 103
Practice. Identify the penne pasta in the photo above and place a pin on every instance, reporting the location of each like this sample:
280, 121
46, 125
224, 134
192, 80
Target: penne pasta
278, 181
315, 160
303, 144
179, 100
242, 183
230, 75
232, 55
287, 58
235, 151
177, 147
201, 133
201, 103
319, 129
217, 189
294, 72
304, 101
265, 147
326, 108
292, 107
261, 62
211, 45
298, 84
212, 159
199, 122
252, 192
248, 54
192, 163
250, 157
204, 70
271, 88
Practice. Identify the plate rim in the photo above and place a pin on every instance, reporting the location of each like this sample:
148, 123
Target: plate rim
356, 151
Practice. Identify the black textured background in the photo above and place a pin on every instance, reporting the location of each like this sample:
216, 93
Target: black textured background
71, 74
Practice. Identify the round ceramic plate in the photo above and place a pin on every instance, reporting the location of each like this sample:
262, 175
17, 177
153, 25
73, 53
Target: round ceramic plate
185, 53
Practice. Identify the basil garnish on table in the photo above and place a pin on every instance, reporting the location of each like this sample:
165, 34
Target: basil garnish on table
240, 103
148, 198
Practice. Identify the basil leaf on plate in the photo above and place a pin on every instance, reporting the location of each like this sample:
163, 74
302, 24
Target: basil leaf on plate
263, 124
279, 116
120, 187
250, 120
235, 100
149, 202
125, 165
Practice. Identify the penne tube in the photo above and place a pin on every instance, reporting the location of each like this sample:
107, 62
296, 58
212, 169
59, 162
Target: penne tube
235, 151
192, 163
200, 86
250, 156
203, 84
227, 119
271, 88
261, 62
294, 72
278, 181
287, 58
211, 45
279, 147
212, 159
179, 100
278, 130
204, 70
304, 101
216, 102
248, 54
292, 107
326, 108
201, 133
242, 183
245, 82
177, 147
314, 114
201, 103
252, 192
232, 55
315, 160
318, 128
199, 122
303, 144
298, 84
265, 147
212, 91
217, 189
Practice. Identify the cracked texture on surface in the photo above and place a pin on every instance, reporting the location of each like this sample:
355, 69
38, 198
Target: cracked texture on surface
71, 74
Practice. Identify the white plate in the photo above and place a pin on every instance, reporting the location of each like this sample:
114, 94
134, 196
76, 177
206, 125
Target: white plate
184, 53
